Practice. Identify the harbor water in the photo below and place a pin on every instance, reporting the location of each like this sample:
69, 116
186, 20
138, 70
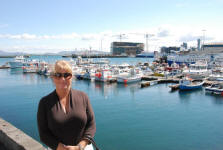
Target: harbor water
127, 117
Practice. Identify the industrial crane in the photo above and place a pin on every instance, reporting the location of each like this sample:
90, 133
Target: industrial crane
146, 36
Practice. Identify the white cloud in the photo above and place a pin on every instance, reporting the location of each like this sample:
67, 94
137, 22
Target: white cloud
165, 35
26, 36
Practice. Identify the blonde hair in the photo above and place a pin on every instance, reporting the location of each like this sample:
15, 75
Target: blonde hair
62, 65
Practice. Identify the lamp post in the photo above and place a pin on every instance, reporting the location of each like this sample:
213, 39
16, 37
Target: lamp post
147, 37
203, 37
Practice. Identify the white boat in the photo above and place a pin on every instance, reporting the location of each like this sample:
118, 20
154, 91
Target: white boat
31, 66
18, 62
80, 61
215, 89
102, 61
135, 75
104, 75
198, 70
216, 74
187, 58
30, 69
130, 79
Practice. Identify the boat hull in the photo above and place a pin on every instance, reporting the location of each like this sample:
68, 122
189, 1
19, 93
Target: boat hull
188, 87
191, 86
15, 64
128, 80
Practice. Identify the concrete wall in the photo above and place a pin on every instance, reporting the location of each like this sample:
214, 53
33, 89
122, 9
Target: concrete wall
14, 139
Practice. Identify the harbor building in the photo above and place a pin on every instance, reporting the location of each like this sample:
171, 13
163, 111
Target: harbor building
126, 48
213, 47
184, 45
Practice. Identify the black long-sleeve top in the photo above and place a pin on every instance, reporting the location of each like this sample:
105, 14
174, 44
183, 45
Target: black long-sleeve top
69, 128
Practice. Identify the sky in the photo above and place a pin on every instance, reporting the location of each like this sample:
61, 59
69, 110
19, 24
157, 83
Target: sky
42, 26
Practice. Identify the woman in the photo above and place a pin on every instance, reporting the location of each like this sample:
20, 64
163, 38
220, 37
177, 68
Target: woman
65, 116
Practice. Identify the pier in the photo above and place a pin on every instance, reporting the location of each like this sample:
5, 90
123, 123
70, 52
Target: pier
12, 138
152, 80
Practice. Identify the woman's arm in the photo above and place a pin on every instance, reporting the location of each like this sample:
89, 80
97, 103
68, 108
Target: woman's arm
45, 135
90, 128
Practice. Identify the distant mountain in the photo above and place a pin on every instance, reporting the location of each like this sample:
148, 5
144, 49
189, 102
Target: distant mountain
3, 53
81, 52
76, 52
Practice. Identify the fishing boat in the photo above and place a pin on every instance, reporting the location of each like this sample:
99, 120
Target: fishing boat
189, 84
187, 58
102, 61
31, 66
216, 74
18, 62
216, 88
135, 75
104, 75
199, 70
30, 69
89, 74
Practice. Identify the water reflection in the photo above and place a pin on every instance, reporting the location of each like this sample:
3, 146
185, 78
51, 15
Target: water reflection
16, 71
108, 89
217, 98
185, 96
42, 78
132, 88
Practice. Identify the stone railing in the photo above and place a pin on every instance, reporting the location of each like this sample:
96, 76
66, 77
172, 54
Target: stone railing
14, 139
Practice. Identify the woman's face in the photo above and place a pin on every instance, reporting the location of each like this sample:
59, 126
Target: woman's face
62, 80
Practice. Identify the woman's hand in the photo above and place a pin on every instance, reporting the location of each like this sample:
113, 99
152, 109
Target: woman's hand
72, 147
62, 147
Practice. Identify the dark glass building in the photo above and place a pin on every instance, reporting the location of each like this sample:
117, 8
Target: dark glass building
126, 48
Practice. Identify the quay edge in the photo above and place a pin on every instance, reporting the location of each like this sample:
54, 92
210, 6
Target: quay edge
14, 139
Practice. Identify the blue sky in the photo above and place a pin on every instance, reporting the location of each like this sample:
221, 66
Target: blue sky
56, 25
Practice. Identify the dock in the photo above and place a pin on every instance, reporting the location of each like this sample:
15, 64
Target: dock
151, 80
4, 67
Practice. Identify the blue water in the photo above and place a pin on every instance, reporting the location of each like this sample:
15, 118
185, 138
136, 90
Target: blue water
127, 117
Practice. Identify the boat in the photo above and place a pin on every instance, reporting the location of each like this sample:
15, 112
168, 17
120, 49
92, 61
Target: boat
198, 70
216, 74
102, 61
130, 79
104, 75
190, 84
31, 66
89, 74
30, 69
18, 62
5, 66
135, 75
216, 88
146, 55
173, 70
187, 58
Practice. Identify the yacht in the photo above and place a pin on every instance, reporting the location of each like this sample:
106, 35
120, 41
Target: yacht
18, 62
